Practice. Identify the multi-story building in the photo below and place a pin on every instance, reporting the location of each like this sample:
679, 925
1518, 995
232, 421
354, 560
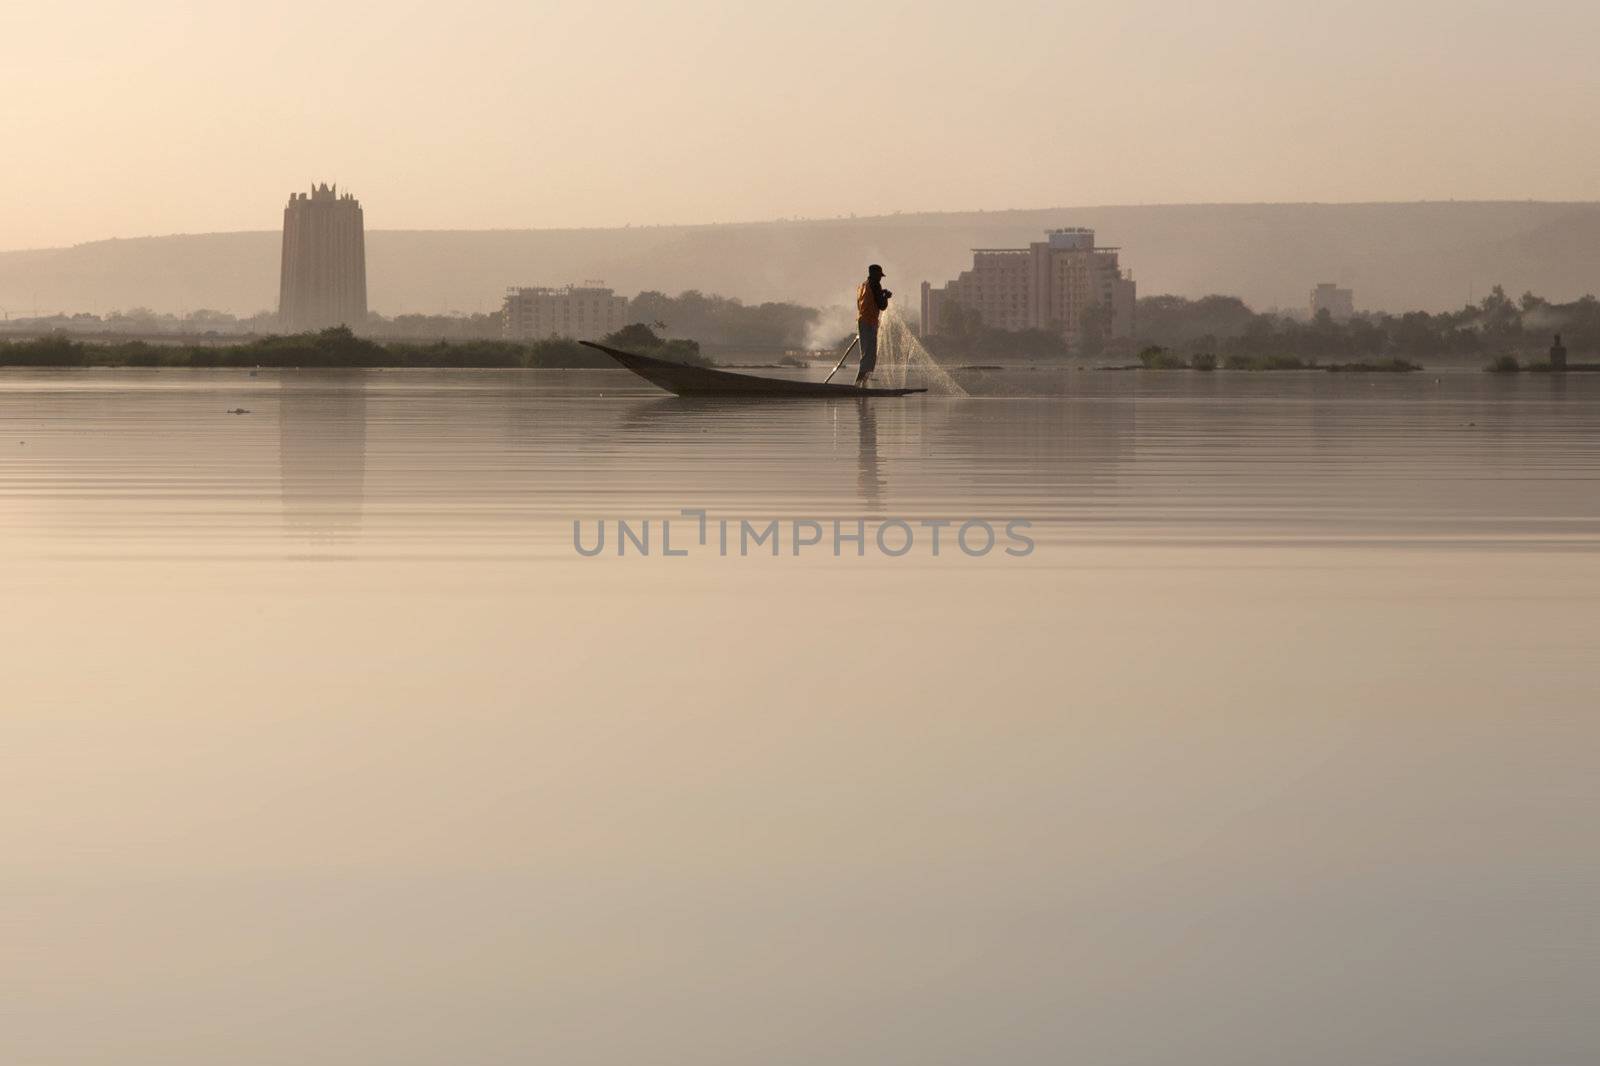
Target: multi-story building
323, 278
1048, 285
587, 312
1339, 303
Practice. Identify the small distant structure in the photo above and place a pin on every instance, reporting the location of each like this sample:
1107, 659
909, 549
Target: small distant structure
1339, 303
323, 278
1558, 355
581, 312
1048, 285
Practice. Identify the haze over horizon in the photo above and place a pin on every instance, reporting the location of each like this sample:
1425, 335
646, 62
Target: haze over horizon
1398, 257
505, 116
1068, 213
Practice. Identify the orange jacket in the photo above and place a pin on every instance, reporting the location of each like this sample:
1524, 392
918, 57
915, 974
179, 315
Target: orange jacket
867, 309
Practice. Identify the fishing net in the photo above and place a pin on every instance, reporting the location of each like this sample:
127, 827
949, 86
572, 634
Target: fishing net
904, 363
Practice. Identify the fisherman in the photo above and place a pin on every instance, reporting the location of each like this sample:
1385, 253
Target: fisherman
872, 299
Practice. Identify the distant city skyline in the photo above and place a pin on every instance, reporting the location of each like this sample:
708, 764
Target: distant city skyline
1398, 257
755, 112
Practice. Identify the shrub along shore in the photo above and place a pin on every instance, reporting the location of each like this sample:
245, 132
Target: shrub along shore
339, 347
1157, 358
1509, 364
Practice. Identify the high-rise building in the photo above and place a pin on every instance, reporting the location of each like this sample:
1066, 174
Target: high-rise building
1339, 303
1050, 284
323, 281
584, 313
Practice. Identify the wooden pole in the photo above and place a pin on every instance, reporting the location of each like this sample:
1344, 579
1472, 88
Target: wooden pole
842, 358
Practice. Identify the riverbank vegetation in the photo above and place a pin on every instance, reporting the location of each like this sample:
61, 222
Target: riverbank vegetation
962, 336
1510, 364
1158, 358
1219, 328
1224, 328
1380, 366
1491, 327
339, 347
724, 322
715, 321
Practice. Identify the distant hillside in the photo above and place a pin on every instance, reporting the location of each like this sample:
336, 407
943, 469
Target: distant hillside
1427, 256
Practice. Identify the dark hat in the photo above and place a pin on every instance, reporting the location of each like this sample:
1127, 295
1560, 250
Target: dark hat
876, 269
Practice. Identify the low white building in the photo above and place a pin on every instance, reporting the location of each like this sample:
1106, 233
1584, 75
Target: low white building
1339, 303
584, 313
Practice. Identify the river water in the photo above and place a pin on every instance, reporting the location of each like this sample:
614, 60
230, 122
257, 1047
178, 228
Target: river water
1271, 740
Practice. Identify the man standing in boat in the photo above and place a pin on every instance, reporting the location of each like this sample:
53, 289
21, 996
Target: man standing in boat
872, 299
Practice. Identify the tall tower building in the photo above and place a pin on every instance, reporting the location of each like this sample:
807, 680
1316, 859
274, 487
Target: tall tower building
324, 277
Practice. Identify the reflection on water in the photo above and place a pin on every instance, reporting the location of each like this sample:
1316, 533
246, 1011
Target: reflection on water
868, 480
1281, 739
490, 463
497, 464
322, 450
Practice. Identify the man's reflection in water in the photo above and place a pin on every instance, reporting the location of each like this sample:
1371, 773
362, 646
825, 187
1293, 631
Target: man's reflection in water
868, 483
322, 450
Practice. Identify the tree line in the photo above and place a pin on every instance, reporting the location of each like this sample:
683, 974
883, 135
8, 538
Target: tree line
339, 347
1226, 326
714, 321
1495, 325
1223, 326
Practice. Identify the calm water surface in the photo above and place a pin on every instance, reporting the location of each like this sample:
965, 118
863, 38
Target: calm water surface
322, 745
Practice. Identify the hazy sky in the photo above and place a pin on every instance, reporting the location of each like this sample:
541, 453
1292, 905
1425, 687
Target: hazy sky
128, 119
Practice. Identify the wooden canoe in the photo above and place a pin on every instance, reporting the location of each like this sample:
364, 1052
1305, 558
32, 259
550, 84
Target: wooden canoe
701, 381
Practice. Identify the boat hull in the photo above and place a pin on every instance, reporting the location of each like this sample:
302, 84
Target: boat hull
703, 381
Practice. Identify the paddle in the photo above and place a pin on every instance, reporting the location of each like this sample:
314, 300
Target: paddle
842, 358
